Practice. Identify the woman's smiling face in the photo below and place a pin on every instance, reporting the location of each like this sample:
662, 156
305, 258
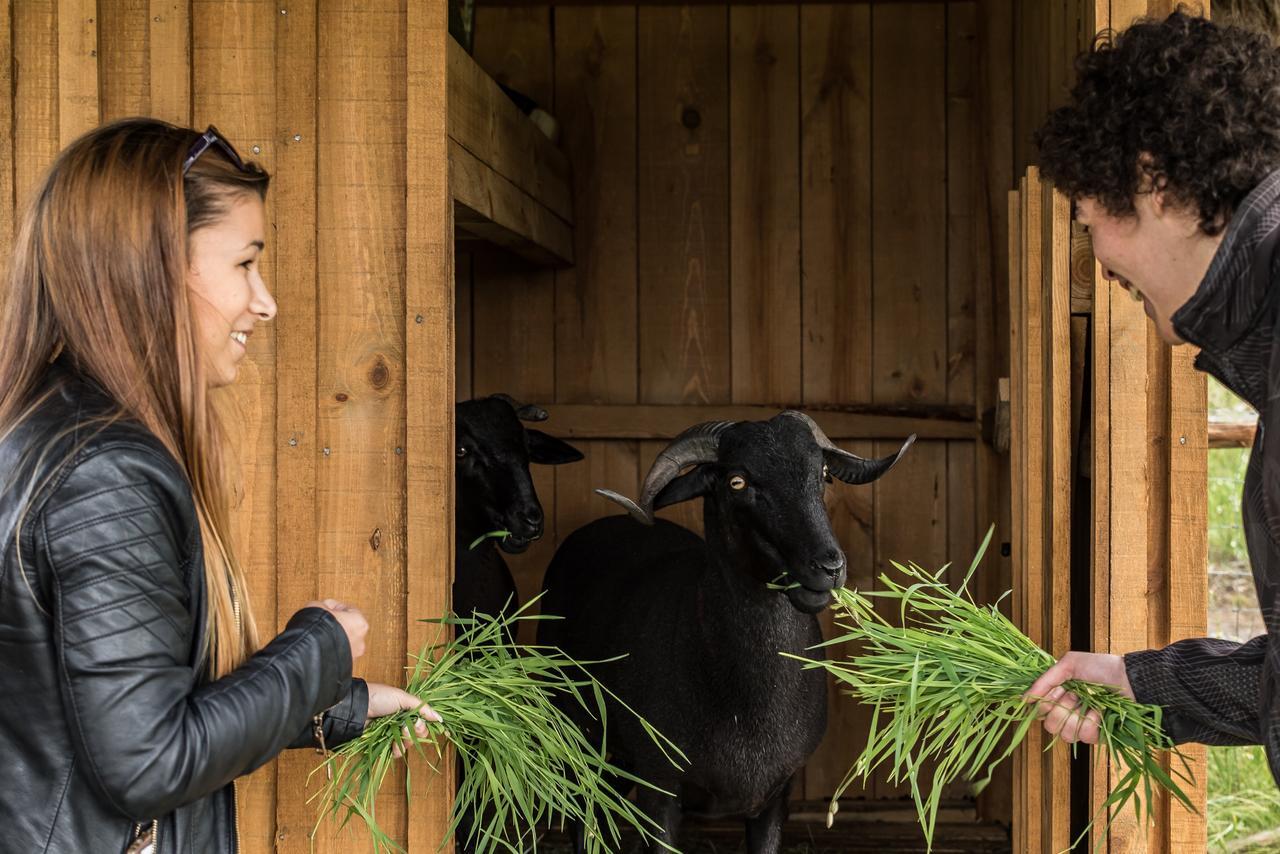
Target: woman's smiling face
228, 295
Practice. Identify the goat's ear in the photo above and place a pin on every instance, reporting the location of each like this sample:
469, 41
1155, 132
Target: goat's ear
547, 450
694, 484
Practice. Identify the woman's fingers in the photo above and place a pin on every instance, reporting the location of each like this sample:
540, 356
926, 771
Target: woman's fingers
407, 741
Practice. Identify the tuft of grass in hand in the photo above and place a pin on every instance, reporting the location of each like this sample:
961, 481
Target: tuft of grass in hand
946, 687
497, 535
525, 764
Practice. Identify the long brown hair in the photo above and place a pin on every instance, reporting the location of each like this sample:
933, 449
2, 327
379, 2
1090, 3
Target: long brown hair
99, 275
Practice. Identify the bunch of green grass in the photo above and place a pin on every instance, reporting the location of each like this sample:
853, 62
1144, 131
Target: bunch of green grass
947, 689
525, 764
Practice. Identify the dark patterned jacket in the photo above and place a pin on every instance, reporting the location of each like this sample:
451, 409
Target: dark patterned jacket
1218, 691
107, 719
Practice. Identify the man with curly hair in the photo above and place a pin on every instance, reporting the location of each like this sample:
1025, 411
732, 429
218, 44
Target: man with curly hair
1170, 151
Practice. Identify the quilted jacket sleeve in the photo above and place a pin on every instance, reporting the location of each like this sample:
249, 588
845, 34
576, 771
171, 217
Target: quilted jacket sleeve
111, 540
1209, 689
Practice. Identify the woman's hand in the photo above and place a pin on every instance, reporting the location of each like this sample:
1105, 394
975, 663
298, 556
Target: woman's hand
387, 700
351, 620
1059, 708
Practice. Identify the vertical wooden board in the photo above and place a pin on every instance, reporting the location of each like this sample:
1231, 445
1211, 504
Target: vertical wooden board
1100, 509
1033, 57
910, 525
297, 450
463, 295
361, 395
1017, 482
963, 206
7, 201
124, 64
835, 206
1031, 572
1055, 299
170, 46
428, 414
241, 100
764, 185
1129, 482
514, 321
595, 78
78, 106
683, 203
909, 203
35, 93
852, 510
1188, 557
513, 44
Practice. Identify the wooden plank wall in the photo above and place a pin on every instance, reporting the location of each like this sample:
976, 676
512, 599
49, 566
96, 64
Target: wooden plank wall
774, 205
342, 418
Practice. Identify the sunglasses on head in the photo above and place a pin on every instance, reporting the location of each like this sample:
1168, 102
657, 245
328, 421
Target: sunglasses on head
207, 140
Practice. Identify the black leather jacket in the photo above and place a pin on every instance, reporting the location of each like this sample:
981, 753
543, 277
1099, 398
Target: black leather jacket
107, 718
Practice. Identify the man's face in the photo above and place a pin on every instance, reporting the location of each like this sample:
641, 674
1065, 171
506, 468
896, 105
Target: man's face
1158, 253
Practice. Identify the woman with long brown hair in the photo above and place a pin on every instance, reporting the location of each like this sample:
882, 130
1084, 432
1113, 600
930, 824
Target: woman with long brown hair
133, 688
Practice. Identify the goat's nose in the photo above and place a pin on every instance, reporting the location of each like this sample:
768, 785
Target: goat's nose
532, 517
831, 563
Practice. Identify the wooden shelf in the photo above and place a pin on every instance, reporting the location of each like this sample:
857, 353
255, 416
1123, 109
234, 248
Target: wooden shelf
510, 184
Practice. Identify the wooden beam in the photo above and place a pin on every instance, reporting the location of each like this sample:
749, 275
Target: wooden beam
490, 207
427, 327
586, 421
1232, 434
484, 121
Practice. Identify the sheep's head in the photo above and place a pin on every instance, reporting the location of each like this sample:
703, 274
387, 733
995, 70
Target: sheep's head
763, 482
494, 450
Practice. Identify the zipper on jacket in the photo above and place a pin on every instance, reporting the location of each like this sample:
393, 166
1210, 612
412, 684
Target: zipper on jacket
235, 813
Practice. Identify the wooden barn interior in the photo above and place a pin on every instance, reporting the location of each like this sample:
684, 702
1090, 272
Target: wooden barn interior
750, 207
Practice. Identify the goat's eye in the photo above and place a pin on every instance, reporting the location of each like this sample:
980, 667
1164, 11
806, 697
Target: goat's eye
737, 482
462, 452
826, 473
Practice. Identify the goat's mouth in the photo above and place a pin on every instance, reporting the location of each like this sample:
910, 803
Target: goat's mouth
808, 601
515, 544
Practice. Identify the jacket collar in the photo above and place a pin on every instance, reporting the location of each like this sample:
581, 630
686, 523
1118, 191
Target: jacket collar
1231, 316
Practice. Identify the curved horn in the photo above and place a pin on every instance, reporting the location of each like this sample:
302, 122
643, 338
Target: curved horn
524, 411
845, 466
698, 444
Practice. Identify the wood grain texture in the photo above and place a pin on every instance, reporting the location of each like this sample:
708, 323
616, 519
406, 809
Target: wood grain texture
835, 209
764, 266
595, 78
909, 202
79, 106
1054, 298
483, 120
35, 93
683, 221
124, 61
1017, 347
295, 441
170, 46
428, 401
361, 396
8, 203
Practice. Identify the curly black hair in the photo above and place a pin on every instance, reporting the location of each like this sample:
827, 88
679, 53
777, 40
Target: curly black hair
1181, 103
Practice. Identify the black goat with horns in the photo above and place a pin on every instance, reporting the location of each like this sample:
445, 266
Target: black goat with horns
702, 623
